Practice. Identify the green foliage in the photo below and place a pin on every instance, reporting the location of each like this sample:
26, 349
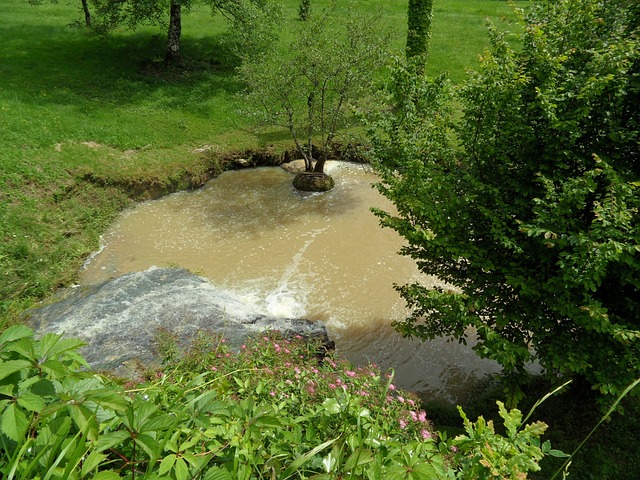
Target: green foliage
527, 203
311, 93
251, 20
304, 10
419, 19
75, 150
487, 455
275, 409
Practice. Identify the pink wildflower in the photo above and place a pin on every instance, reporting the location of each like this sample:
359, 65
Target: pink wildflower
392, 386
422, 416
414, 416
411, 402
400, 399
214, 369
332, 386
426, 435
272, 393
403, 423
350, 373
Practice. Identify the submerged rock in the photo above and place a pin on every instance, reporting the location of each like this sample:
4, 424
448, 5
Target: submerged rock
313, 182
120, 317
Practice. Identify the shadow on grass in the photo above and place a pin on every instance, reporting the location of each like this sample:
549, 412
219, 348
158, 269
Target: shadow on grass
44, 65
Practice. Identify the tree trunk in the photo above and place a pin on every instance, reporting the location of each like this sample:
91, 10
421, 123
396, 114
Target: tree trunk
419, 17
308, 163
319, 168
87, 13
172, 54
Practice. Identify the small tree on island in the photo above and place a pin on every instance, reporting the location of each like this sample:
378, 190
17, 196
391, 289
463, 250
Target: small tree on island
312, 88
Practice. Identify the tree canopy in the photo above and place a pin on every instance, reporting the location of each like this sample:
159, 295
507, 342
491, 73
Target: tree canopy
251, 19
526, 203
313, 91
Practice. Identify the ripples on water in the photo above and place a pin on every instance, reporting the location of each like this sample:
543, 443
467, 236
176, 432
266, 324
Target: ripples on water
317, 256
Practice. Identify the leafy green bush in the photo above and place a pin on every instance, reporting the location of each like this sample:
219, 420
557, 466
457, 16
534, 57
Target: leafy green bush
275, 409
526, 203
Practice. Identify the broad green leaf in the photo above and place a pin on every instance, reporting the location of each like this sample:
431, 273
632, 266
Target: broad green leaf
111, 439
358, 457
140, 412
106, 475
268, 421
194, 460
396, 473
91, 462
55, 368
423, 471
181, 470
217, 473
24, 347
85, 419
14, 423
332, 406
558, 453
7, 390
167, 464
31, 401
12, 366
43, 387
148, 444
109, 397
13, 333
52, 345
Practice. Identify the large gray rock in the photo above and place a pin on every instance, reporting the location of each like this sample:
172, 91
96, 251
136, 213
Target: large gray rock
119, 318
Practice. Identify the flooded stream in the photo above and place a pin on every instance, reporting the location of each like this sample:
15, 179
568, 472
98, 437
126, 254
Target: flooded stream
318, 256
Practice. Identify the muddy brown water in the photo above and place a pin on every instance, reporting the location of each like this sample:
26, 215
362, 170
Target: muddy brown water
318, 256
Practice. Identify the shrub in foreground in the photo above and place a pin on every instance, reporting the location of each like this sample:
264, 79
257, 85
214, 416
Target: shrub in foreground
274, 409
